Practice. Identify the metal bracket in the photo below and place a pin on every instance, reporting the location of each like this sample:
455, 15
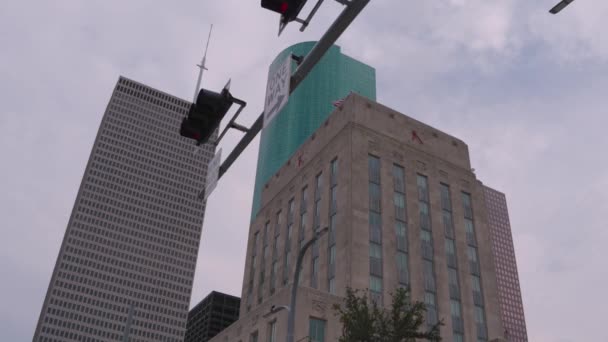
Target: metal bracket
231, 123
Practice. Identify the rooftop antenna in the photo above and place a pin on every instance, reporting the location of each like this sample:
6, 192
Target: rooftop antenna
202, 68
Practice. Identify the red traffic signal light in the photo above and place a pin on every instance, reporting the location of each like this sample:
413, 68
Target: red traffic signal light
205, 115
289, 9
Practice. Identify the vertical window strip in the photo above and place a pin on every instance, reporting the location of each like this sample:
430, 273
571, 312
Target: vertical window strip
331, 248
375, 230
252, 269
316, 225
426, 239
287, 261
472, 254
400, 225
302, 233
450, 249
263, 263
275, 254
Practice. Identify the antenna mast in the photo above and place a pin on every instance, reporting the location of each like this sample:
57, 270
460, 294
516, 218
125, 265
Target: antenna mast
202, 67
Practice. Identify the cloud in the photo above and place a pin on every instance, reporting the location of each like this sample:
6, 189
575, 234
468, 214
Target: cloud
524, 89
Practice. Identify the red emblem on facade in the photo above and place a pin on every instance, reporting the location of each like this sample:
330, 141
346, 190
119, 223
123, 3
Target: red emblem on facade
415, 137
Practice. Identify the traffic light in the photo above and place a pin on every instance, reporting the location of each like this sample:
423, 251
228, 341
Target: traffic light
205, 115
289, 9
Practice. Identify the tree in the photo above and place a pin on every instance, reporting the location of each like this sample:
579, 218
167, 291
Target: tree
363, 321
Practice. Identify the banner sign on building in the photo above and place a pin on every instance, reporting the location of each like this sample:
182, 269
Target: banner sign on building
213, 172
277, 90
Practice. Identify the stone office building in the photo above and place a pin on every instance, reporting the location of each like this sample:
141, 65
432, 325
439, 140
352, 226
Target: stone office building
403, 209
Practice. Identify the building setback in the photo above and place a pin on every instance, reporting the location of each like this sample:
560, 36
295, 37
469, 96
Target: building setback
403, 209
509, 292
212, 315
129, 251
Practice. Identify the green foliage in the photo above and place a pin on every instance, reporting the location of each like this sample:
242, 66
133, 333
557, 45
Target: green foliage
403, 321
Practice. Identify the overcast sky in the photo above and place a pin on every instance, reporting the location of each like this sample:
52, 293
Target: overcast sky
525, 89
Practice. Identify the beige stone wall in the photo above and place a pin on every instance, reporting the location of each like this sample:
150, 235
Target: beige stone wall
351, 133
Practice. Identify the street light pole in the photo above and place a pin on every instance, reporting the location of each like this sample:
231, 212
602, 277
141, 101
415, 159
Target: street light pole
296, 278
560, 6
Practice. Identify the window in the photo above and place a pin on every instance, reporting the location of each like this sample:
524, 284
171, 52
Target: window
374, 197
272, 331
455, 308
398, 179
316, 331
333, 172
427, 244
375, 227
445, 197
399, 200
375, 259
401, 232
423, 190
431, 308
375, 284
374, 169
429, 277
402, 268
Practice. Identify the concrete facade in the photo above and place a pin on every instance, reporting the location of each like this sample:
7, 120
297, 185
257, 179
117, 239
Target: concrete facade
126, 263
361, 128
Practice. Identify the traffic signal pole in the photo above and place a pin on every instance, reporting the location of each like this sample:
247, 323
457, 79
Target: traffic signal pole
352, 10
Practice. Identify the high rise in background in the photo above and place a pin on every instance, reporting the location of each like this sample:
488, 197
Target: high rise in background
334, 77
127, 260
403, 208
509, 292
212, 315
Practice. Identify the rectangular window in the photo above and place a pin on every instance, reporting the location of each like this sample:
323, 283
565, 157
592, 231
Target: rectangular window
399, 201
402, 268
398, 179
401, 233
423, 188
315, 272
272, 332
303, 203
429, 276
375, 259
453, 283
374, 169
431, 308
448, 225
457, 322
316, 331
375, 284
467, 206
470, 232
253, 337
446, 203
427, 244
375, 227
374, 197
318, 186
333, 172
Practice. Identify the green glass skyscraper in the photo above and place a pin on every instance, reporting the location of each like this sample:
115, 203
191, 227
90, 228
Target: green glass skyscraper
333, 78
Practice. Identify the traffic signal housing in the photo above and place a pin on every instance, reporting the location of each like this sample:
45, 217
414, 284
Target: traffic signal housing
205, 115
289, 9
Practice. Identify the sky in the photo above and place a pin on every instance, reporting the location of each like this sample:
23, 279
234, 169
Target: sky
525, 89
